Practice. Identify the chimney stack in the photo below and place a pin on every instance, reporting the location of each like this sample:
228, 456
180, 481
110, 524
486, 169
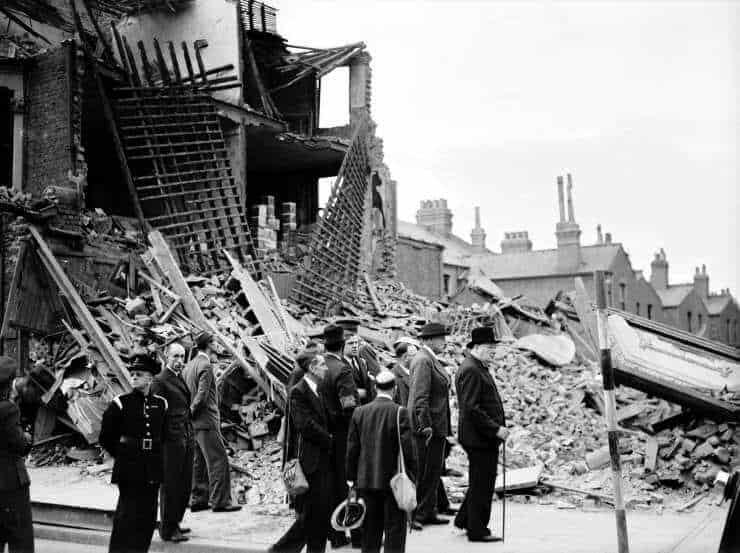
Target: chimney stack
568, 233
701, 282
478, 235
608, 238
599, 236
516, 242
434, 215
659, 271
561, 199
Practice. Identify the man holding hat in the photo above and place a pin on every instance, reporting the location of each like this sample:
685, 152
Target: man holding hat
340, 393
211, 472
481, 429
132, 431
178, 445
429, 405
16, 531
372, 460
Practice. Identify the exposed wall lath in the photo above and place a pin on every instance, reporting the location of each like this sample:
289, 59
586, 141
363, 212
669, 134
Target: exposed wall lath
336, 257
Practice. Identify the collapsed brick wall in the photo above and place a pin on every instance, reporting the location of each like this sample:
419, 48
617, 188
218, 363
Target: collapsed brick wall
14, 229
48, 141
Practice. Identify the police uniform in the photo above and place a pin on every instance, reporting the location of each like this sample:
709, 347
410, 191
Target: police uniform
132, 431
16, 526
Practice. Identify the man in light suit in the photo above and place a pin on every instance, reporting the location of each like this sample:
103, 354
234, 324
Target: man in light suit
372, 460
429, 406
177, 447
211, 472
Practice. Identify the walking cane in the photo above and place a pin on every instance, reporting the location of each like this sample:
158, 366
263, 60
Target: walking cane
503, 505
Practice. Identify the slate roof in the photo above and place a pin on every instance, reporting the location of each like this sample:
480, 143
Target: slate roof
540, 263
717, 304
674, 295
456, 250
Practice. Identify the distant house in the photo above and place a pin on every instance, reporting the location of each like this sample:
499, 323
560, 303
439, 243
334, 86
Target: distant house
723, 318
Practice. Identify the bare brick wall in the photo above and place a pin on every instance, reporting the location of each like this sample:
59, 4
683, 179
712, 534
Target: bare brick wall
419, 266
48, 132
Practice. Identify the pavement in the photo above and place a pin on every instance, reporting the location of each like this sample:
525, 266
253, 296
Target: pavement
530, 528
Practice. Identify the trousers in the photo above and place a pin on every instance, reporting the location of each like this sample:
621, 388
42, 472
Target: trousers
475, 511
134, 519
430, 462
16, 525
211, 473
311, 526
382, 516
174, 492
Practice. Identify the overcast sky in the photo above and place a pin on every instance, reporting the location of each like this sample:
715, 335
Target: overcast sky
485, 103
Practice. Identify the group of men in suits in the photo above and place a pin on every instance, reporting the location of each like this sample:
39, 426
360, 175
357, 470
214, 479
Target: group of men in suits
348, 425
165, 438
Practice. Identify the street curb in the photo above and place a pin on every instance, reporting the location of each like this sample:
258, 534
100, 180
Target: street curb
98, 538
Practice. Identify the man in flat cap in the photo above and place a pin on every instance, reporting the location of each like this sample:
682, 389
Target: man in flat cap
132, 431
16, 526
341, 396
178, 445
373, 459
429, 406
211, 472
481, 429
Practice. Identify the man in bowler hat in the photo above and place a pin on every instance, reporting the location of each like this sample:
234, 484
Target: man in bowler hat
429, 406
341, 396
132, 431
16, 526
481, 429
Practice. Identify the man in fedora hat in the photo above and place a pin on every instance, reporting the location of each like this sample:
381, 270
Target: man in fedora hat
429, 406
16, 526
372, 460
481, 429
340, 393
211, 472
132, 431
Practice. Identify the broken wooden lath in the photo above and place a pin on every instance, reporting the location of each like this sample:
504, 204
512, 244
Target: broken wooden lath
258, 16
334, 264
175, 150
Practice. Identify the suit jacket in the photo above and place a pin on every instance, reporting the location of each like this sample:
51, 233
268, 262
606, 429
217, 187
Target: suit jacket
172, 387
361, 376
128, 421
371, 358
309, 439
429, 401
481, 409
13, 447
403, 380
372, 444
201, 382
340, 392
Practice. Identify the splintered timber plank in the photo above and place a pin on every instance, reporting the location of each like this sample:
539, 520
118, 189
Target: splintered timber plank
86, 319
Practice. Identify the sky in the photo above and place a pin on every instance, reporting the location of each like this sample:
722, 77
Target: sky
485, 103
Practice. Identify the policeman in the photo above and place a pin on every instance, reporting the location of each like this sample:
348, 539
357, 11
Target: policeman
132, 432
16, 526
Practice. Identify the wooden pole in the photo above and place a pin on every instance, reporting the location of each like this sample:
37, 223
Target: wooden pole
610, 412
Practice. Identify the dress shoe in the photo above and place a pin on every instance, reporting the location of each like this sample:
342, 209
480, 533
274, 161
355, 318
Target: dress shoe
198, 507
449, 511
183, 530
416, 525
435, 521
176, 536
485, 539
227, 509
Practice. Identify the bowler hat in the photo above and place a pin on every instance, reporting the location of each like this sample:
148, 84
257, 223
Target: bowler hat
348, 515
333, 335
347, 323
431, 330
482, 335
7, 370
144, 363
203, 339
